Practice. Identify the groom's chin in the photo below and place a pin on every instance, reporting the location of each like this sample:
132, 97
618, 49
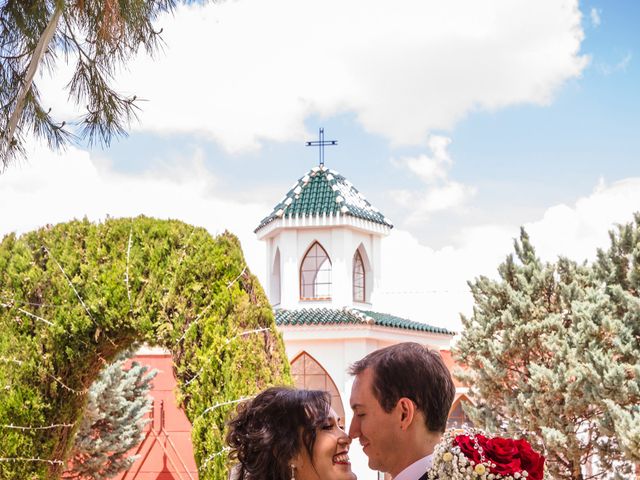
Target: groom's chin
373, 465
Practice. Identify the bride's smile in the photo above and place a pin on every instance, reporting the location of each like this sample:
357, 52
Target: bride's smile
330, 456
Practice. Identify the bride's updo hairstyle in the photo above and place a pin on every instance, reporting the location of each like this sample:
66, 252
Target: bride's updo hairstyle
269, 430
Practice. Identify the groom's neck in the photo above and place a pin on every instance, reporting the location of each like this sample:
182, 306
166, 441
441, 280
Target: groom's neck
417, 445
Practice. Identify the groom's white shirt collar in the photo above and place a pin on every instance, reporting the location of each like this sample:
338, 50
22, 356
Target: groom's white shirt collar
416, 469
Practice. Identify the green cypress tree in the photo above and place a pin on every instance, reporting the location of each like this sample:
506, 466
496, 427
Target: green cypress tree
75, 295
551, 357
619, 269
112, 423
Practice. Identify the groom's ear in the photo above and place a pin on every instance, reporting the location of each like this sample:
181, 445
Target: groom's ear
407, 410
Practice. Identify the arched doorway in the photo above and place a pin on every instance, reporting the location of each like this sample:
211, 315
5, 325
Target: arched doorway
308, 373
457, 417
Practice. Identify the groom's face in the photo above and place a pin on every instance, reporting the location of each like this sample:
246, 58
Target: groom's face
375, 428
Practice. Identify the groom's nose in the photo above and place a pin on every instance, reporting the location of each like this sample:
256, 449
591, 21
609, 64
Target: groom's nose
354, 427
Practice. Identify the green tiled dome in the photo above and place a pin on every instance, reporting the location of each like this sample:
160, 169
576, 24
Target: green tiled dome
351, 316
324, 192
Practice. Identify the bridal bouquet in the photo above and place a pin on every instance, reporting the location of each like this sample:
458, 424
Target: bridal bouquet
471, 455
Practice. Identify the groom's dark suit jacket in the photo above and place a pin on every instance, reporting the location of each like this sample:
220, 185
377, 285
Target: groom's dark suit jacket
424, 477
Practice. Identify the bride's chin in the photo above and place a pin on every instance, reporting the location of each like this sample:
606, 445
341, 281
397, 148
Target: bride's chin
346, 473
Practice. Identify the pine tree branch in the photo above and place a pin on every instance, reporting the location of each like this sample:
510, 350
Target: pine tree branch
36, 57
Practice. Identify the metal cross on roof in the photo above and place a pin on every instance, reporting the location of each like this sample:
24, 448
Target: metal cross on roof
321, 142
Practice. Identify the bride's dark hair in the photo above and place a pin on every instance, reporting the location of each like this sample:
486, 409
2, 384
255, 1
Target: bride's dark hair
270, 429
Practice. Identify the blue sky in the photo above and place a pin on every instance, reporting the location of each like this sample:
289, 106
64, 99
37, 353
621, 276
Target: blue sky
459, 120
522, 158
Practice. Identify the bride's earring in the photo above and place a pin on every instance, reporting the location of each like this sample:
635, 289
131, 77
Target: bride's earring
293, 472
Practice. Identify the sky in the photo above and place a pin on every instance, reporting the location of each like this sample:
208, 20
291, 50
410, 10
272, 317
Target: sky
461, 121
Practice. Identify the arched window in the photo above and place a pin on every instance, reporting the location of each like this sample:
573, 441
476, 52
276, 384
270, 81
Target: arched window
457, 417
315, 274
309, 374
275, 280
358, 278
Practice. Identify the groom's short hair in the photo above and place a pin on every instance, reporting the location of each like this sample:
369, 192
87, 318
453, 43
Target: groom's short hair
413, 371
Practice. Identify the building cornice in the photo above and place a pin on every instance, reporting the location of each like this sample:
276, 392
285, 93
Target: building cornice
321, 221
311, 333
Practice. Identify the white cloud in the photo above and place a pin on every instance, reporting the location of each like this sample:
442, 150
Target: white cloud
440, 193
595, 17
53, 188
429, 168
620, 66
420, 204
418, 282
430, 285
244, 71
576, 231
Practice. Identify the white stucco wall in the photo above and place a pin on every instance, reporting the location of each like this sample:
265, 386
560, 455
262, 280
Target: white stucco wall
340, 243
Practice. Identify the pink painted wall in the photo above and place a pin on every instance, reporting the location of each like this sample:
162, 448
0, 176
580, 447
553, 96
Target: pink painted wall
166, 452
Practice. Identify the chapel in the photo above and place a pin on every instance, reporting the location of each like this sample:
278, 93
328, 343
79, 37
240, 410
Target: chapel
324, 243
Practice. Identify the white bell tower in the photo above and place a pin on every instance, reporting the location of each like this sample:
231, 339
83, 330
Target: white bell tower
323, 244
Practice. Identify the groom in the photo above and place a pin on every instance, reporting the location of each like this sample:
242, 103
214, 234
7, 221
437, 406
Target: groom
401, 397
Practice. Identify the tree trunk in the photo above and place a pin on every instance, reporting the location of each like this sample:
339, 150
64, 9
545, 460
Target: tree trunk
38, 53
576, 469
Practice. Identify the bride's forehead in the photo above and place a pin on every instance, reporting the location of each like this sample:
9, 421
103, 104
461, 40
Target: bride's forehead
333, 415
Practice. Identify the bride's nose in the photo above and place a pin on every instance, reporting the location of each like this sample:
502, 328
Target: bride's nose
344, 439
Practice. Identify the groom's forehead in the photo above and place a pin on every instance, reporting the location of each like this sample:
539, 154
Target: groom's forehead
362, 389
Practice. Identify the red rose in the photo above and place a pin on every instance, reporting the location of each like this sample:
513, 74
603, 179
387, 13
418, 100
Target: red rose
509, 456
467, 447
530, 460
504, 453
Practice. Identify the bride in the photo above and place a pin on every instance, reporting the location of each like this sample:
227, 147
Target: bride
289, 434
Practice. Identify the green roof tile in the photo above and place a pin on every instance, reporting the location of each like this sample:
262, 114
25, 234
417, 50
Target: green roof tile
324, 192
351, 316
